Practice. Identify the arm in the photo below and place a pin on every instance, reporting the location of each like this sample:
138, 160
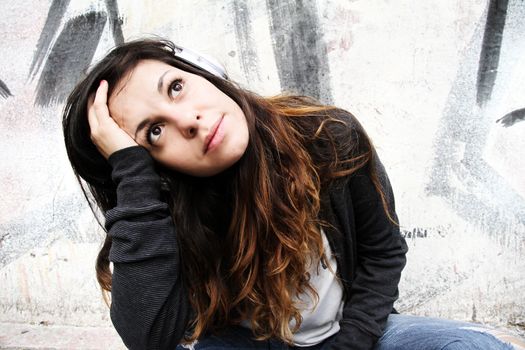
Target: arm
149, 306
379, 252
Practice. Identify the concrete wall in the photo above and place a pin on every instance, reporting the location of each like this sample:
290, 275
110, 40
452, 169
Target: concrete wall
438, 85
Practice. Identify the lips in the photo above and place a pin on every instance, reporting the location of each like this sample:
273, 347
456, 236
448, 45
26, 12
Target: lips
211, 135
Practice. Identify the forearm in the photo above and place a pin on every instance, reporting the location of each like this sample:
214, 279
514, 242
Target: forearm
379, 259
372, 295
149, 302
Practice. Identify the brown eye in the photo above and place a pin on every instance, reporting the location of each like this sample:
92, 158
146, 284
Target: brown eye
175, 88
154, 133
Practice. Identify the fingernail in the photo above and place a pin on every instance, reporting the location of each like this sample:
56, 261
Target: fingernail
102, 82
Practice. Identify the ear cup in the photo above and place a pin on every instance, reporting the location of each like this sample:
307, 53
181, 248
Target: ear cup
203, 62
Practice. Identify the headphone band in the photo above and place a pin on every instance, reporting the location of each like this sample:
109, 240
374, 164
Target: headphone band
207, 63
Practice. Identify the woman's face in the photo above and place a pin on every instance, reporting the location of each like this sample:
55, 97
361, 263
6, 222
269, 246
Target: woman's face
183, 120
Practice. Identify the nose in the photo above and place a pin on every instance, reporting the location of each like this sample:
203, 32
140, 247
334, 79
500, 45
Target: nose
188, 123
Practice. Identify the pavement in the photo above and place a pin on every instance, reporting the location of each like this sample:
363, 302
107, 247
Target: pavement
26, 336
16, 336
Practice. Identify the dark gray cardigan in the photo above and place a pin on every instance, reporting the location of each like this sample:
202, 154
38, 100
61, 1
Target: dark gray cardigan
150, 307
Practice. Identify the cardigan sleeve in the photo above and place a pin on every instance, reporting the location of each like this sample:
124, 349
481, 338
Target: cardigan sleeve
149, 306
370, 248
379, 257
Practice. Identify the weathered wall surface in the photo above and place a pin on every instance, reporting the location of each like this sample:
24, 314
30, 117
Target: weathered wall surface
438, 85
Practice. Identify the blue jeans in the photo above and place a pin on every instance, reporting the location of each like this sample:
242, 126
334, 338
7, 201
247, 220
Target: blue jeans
402, 332
420, 333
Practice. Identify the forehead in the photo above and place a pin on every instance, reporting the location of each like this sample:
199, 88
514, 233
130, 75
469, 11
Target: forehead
135, 88
139, 84
146, 72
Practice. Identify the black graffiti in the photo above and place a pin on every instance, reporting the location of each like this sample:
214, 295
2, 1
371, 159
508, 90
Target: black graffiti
416, 232
4, 90
299, 48
483, 198
244, 38
72, 51
512, 118
60, 58
54, 16
71, 54
115, 21
490, 49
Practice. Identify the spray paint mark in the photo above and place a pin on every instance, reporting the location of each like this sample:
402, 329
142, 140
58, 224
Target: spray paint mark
4, 90
54, 16
71, 54
244, 39
490, 49
52, 220
299, 49
512, 118
115, 21
460, 175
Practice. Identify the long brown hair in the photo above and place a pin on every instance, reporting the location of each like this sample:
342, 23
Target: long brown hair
247, 236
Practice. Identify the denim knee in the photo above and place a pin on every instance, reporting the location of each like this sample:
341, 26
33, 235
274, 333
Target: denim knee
469, 339
405, 332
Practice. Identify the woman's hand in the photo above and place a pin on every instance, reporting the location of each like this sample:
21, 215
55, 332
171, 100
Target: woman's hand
105, 133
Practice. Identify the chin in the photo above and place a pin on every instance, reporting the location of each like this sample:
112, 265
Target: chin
219, 169
209, 172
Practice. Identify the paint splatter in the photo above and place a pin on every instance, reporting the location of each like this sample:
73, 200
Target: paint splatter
4, 90
72, 52
244, 38
299, 49
490, 50
115, 21
54, 16
52, 219
512, 117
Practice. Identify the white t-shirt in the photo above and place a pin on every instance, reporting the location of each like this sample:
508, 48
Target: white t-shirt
322, 320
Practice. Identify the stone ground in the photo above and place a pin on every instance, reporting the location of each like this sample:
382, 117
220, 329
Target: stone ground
16, 336
23, 336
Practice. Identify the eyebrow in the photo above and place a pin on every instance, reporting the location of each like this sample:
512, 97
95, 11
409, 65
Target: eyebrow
141, 126
161, 81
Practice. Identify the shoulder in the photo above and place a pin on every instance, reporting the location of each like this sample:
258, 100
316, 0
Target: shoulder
335, 139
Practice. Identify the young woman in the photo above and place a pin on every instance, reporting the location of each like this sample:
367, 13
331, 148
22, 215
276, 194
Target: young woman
233, 220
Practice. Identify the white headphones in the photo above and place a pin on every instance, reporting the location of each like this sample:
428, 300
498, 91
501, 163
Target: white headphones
203, 62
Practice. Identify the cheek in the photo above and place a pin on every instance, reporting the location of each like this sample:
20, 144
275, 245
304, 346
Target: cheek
176, 157
123, 122
239, 142
245, 129
245, 140
117, 110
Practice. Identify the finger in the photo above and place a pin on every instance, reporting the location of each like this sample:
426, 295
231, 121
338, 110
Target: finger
102, 92
100, 102
92, 118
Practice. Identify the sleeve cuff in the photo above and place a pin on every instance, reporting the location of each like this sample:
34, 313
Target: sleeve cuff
123, 156
352, 337
134, 174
